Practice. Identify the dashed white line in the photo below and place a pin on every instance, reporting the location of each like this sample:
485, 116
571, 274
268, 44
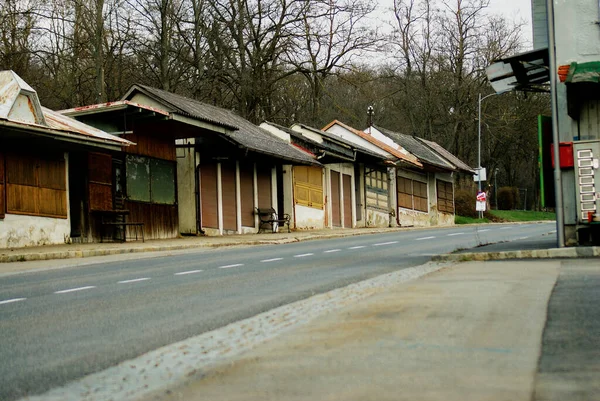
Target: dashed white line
505, 228
229, 266
357, 247
386, 243
88, 287
552, 232
10, 301
271, 260
453, 234
302, 255
421, 239
188, 272
484, 230
135, 280
332, 250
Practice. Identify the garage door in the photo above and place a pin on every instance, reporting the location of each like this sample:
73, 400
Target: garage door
247, 193
228, 191
336, 210
208, 195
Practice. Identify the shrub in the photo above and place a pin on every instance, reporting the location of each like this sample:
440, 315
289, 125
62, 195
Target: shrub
464, 202
508, 198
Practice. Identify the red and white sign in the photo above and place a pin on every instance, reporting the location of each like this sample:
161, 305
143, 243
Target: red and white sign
481, 196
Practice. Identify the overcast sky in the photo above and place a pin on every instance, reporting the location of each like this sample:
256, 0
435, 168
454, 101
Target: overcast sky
515, 10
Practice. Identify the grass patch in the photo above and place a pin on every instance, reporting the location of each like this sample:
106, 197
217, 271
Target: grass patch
506, 216
469, 220
523, 215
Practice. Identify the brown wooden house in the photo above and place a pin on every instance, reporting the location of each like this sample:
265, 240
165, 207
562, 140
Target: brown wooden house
48, 180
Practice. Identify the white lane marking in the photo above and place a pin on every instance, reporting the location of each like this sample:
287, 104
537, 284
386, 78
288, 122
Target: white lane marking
332, 250
228, 266
523, 238
271, 260
357, 247
482, 231
552, 232
188, 272
10, 301
505, 228
135, 280
386, 243
421, 239
89, 287
452, 235
303, 255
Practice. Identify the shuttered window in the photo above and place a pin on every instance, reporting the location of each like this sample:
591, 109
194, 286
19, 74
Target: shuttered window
308, 186
36, 185
445, 196
412, 194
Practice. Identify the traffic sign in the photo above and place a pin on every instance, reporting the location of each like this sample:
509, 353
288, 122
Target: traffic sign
481, 196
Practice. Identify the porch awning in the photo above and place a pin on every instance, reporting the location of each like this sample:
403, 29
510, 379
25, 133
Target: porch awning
584, 73
523, 72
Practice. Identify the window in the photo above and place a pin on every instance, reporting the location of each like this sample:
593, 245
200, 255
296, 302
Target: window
412, 194
377, 189
36, 185
150, 180
308, 186
445, 196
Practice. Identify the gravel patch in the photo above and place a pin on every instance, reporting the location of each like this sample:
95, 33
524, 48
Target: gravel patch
177, 363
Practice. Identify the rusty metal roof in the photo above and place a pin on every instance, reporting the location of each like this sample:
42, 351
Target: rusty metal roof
18, 101
102, 107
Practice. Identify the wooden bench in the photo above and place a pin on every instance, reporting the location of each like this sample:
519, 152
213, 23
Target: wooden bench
268, 219
117, 219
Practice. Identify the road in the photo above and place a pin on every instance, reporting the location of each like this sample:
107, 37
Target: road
59, 325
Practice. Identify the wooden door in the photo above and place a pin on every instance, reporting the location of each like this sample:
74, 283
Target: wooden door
208, 195
336, 210
347, 200
247, 193
265, 198
229, 196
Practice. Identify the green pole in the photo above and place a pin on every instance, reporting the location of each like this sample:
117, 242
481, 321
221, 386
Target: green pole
541, 160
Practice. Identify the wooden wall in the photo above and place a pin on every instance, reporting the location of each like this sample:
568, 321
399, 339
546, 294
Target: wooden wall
100, 181
160, 221
152, 145
247, 193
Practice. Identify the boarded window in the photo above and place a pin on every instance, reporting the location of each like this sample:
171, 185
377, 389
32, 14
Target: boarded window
412, 194
150, 180
377, 189
445, 196
36, 185
2, 188
308, 186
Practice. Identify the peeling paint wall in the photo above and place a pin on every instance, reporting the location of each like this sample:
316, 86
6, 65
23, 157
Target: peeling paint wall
17, 231
308, 218
376, 218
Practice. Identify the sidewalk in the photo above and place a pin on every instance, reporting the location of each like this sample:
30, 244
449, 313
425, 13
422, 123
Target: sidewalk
469, 332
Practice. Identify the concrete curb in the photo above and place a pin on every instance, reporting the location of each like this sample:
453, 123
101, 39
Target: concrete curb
556, 253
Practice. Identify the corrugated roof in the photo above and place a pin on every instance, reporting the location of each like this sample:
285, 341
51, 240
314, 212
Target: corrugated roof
186, 106
243, 131
417, 148
409, 158
448, 156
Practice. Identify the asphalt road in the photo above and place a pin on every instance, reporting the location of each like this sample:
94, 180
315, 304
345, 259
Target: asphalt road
59, 325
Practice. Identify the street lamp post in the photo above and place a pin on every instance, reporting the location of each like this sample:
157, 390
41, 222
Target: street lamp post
481, 99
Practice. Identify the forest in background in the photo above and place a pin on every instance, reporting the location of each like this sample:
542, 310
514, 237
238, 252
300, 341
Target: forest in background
419, 63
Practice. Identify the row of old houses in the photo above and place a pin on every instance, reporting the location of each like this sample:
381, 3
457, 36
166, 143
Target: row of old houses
170, 165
